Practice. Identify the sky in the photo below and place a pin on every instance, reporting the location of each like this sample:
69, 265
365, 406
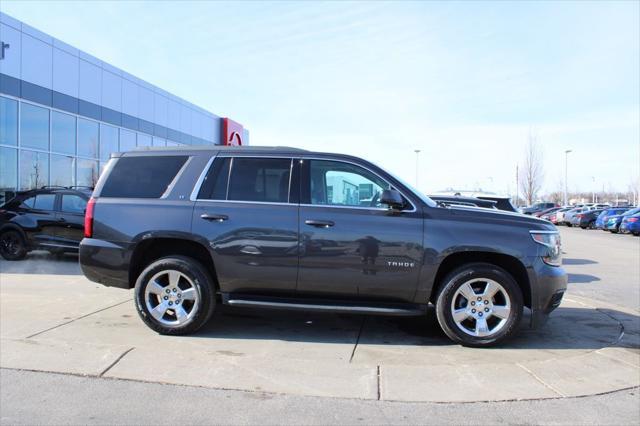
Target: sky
465, 83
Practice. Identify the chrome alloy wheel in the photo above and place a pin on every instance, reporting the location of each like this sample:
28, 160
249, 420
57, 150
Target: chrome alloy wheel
171, 298
480, 307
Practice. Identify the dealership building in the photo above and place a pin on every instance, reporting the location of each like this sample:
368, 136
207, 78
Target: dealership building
63, 112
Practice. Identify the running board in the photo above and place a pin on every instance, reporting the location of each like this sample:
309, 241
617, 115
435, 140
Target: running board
392, 309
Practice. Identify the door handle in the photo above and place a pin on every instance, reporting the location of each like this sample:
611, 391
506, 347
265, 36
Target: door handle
319, 223
250, 250
214, 217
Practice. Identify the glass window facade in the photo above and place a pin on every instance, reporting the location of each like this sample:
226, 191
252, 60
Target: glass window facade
62, 170
63, 133
108, 141
159, 141
8, 121
127, 140
144, 140
34, 169
88, 132
42, 146
34, 127
8, 173
87, 173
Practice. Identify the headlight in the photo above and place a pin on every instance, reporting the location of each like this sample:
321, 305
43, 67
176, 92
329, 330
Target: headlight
552, 254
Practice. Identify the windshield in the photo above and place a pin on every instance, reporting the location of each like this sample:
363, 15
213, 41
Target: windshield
631, 212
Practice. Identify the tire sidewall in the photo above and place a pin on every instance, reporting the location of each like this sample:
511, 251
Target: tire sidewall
201, 280
478, 271
22, 252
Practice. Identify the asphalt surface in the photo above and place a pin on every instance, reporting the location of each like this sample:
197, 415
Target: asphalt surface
602, 267
44, 398
608, 266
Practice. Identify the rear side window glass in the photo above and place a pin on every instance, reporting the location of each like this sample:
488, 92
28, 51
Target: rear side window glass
260, 179
28, 203
214, 186
73, 204
142, 177
44, 202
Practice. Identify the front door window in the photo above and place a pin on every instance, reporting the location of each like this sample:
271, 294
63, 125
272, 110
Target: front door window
335, 183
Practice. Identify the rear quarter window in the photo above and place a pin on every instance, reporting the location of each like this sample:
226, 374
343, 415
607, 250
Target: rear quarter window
142, 177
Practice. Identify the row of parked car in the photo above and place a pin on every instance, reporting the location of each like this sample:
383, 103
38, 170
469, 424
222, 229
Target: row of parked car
624, 220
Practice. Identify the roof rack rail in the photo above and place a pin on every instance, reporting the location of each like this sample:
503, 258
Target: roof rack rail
62, 187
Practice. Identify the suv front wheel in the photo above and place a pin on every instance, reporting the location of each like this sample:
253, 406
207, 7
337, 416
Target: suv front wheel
479, 305
175, 295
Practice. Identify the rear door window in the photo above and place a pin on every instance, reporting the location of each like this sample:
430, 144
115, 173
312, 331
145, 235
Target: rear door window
44, 201
260, 179
214, 186
73, 204
142, 177
28, 203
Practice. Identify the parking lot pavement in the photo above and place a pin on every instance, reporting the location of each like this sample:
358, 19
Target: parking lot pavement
591, 344
66, 399
603, 266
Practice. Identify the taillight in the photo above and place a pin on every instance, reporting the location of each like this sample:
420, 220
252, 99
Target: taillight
88, 218
579, 216
632, 219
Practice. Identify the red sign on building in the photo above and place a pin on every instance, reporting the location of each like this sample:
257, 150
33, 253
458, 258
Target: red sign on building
231, 132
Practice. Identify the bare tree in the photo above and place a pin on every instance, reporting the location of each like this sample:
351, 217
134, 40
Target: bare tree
531, 175
35, 176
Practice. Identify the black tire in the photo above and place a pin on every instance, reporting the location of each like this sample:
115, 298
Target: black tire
583, 227
454, 280
12, 245
202, 282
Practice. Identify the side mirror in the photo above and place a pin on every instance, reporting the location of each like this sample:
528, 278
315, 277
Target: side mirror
392, 198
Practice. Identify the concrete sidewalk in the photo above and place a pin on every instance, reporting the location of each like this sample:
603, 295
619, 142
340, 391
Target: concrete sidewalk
65, 324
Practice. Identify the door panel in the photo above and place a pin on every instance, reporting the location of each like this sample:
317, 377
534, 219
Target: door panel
39, 220
245, 211
255, 247
70, 230
351, 245
366, 253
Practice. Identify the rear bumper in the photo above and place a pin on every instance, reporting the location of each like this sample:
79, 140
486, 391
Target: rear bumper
104, 262
548, 285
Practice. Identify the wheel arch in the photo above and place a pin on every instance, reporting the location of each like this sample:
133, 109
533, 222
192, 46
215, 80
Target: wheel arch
13, 227
509, 263
151, 249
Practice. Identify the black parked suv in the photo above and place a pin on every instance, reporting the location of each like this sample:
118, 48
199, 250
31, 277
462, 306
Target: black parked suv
193, 227
49, 218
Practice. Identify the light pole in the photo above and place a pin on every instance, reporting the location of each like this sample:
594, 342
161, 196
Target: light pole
593, 196
566, 174
417, 151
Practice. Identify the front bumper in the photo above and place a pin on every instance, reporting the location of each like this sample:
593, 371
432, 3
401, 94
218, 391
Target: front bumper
548, 285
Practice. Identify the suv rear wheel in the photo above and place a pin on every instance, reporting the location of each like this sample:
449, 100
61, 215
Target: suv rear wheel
12, 245
175, 295
479, 305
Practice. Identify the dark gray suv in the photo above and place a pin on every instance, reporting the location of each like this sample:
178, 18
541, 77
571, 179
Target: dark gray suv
194, 227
